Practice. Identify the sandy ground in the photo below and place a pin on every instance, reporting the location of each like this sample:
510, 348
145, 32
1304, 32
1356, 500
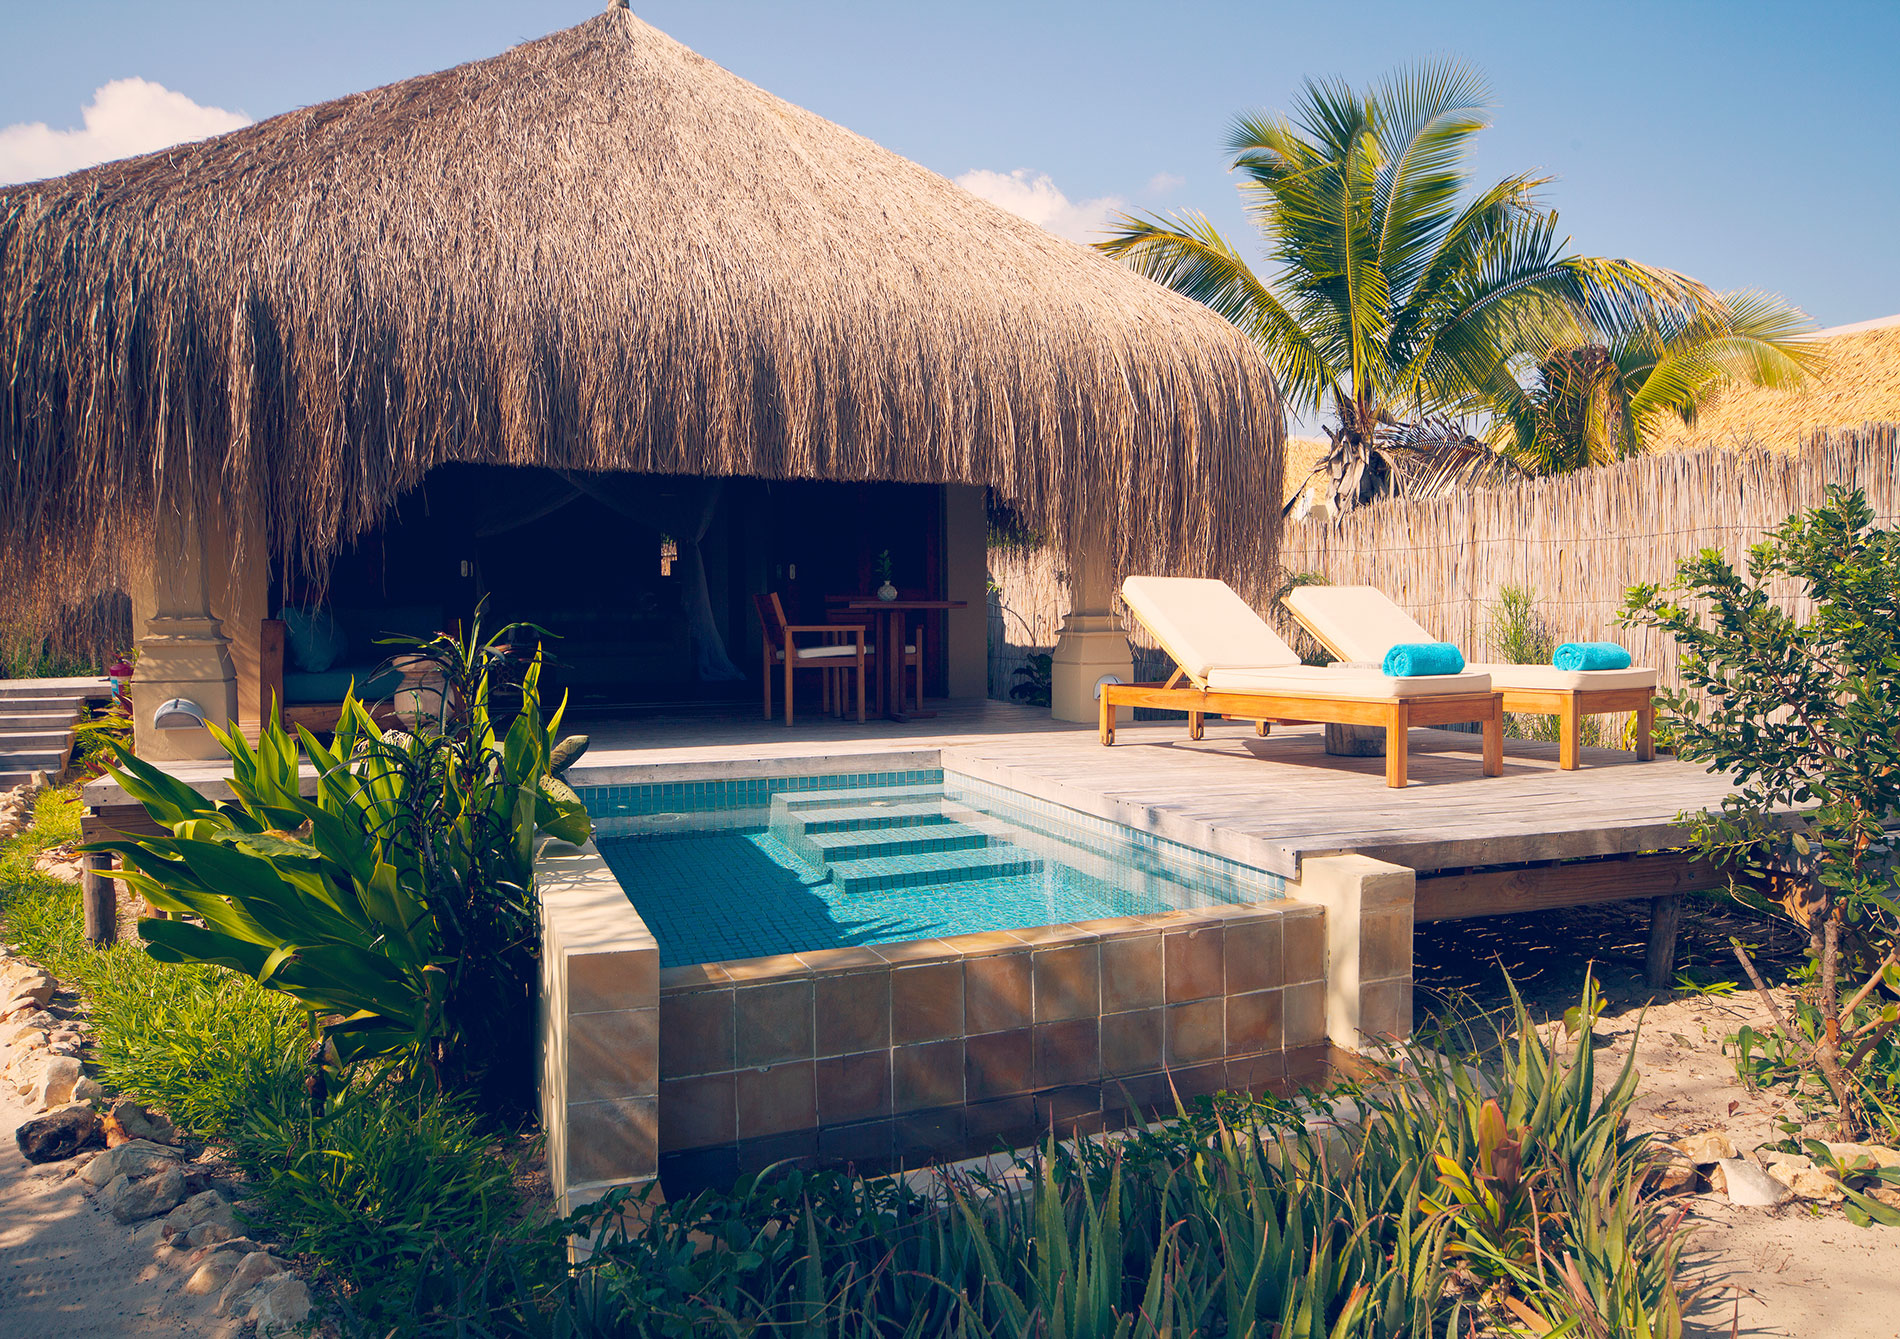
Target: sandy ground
1797, 1270
69, 1270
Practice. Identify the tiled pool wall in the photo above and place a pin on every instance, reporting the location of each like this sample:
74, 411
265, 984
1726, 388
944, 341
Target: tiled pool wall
938, 1048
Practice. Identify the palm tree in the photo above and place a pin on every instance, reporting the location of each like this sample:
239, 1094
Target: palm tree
1398, 295
1593, 403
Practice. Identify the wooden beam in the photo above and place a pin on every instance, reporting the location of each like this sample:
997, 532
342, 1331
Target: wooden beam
1659, 955
99, 899
1502, 892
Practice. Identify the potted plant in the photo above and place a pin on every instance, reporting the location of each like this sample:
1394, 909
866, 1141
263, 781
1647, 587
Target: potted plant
882, 569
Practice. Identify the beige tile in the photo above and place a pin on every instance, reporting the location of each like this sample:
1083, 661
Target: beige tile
926, 1002
698, 1112
1305, 951
772, 967
927, 1075
1385, 1009
1254, 950
1131, 972
990, 941
1194, 1032
1192, 963
613, 1055
778, 1098
696, 1032
773, 1023
615, 1140
1068, 982
853, 1012
997, 991
606, 982
916, 951
1385, 945
696, 976
829, 960
1253, 1022
1303, 1014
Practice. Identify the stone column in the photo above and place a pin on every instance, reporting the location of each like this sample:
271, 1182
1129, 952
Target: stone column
1091, 643
1368, 945
183, 652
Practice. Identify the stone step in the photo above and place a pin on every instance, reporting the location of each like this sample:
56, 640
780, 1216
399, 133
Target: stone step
34, 720
64, 706
8, 780
803, 802
77, 690
870, 817
912, 871
35, 741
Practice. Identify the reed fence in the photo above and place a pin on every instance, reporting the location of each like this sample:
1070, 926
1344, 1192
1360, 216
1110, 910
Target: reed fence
1577, 542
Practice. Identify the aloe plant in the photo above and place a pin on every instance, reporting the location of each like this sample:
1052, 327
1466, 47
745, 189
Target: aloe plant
396, 902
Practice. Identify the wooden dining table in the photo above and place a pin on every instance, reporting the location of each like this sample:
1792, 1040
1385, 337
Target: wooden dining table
892, 635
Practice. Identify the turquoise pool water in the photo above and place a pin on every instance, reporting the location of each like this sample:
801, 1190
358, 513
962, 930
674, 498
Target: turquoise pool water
740, 869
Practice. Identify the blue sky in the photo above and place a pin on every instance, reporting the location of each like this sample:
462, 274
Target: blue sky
1749, 144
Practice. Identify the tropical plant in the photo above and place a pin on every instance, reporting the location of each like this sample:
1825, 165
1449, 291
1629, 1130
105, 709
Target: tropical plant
1398, 295
397, 902
1589, 404
1035, 680
1804, 714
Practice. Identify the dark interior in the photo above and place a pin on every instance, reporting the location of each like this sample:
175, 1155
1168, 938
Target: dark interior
604, 563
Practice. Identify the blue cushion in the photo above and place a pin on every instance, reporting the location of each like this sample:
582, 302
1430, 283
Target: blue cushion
1591, 656
1409, 660
373, 683
317, 640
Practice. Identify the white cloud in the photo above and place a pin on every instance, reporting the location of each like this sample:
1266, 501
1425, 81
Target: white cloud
125, 117
1165, 183
1034, 196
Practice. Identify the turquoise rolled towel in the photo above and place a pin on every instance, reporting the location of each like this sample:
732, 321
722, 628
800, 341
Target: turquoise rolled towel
1408, 660
1590, 656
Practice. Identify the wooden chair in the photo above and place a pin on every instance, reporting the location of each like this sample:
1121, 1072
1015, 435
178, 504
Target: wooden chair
779, 648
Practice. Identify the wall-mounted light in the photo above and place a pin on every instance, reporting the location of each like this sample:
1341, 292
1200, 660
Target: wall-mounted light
1105, 679
180, 713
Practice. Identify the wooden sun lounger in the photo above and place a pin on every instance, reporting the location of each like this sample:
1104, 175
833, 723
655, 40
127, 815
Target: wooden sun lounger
1397, 715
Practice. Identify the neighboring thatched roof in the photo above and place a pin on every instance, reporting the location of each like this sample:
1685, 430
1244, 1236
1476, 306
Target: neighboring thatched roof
1303, 455
598, 250
1859, 383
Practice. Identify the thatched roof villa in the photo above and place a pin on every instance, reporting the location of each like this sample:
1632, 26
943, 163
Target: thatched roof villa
560, 327
1858, 383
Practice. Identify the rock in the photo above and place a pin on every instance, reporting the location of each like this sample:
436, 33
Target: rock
1709, 1147
29, 1037
89, 1090
57, 1078
252, 1270
150, 1235
1749, 1186
19, 1007
1798, 1172
1674, 1175
206, 1204
238, 1246
140, 1157
60, 1134
213, 1274
129, 1201
38, 987
1887, 1195
127, 1120
213, 1230
279, 1305
1878, 1154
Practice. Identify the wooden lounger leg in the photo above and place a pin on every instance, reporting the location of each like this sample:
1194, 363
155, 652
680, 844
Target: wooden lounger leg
1263, 728
1196, 725
1397, 722
1646, 731
765, 676
1107, 717
1569, 734
1494, 738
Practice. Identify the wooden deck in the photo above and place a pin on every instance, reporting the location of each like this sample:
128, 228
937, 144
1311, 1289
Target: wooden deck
1271, 802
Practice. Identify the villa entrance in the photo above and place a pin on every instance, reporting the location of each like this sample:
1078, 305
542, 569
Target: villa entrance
644, 582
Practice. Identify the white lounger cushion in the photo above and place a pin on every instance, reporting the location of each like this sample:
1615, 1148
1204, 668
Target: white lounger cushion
1205, 625
833, 652
1326, 682
1507, 677
1363, 623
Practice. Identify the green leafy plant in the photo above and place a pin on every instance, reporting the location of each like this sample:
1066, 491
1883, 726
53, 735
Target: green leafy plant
1804, 713
396, 903
1034, 684
1519, 634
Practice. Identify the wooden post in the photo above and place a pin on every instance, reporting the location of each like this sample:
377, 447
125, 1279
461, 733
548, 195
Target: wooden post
1659, 959
99, 897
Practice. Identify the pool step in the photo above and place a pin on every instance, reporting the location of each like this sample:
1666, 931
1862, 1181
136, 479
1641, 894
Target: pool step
915, 839
876, 873
800, 802
870, 817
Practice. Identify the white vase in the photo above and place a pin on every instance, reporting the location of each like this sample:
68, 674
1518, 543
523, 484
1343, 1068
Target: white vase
887, 591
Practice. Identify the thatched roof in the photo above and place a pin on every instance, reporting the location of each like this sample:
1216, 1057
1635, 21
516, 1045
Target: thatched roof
1858, 383
598, 250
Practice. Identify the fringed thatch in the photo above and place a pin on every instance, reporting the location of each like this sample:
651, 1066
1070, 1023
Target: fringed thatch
1858, 382
597, 251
